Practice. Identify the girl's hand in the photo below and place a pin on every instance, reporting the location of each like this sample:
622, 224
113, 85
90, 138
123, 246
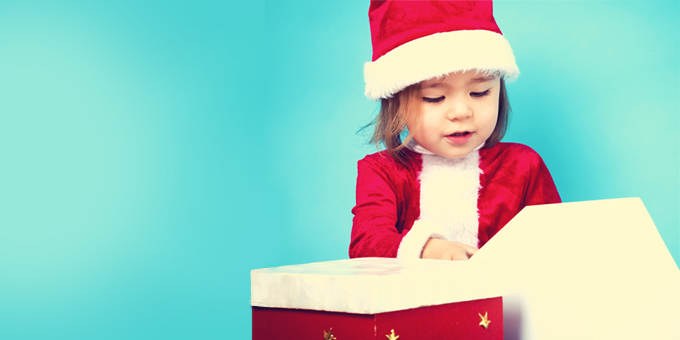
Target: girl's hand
447, 250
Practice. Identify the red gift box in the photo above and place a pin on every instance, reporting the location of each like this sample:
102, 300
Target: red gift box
460, 320
376, 299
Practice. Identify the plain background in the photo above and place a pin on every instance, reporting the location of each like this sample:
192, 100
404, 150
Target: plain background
153, 153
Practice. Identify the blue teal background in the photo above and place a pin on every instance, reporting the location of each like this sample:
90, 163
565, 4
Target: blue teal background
153, 153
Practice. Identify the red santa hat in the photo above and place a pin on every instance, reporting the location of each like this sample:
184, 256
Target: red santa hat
418, 40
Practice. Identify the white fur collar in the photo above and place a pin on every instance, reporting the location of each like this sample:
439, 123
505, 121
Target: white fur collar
449, 189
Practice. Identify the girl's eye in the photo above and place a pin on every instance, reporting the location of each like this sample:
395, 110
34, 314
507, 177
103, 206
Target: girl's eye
433, 100
479, 94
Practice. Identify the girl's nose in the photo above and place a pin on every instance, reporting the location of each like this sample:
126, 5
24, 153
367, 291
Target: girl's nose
459, 110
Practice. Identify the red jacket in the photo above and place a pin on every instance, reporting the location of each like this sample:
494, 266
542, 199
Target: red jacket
388, 196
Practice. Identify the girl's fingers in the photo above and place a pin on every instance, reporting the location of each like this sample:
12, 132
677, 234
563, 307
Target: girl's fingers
456, 256
470, 250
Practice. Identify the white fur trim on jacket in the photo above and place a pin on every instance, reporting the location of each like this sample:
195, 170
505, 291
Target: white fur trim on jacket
437, 55
449, 189
412, 245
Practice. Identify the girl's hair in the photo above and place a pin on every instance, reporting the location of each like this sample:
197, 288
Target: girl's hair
404, 107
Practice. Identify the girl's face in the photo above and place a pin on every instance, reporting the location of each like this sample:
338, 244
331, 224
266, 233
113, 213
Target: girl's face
459, 113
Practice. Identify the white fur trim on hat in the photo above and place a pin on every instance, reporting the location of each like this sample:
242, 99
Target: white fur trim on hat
437, 55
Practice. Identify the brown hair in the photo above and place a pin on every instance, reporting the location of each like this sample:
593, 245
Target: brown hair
404, 107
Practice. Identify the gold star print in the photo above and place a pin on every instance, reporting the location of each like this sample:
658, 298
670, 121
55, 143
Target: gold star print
392, 336
329, 335
485, 322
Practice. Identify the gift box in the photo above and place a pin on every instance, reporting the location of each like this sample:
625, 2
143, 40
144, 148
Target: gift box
377, 298
581, 270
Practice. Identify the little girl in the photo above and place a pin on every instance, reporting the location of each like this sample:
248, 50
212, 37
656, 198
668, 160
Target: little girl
445, 183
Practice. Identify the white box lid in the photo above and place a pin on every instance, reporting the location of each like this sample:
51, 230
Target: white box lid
372, 285
586, 270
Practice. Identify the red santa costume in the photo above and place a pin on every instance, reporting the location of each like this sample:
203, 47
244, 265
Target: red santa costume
468, 200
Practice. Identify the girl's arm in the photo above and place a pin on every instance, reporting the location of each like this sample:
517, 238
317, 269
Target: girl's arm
374, 231
382, 190
541, 187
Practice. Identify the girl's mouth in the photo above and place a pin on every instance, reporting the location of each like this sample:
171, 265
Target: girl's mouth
457, 138
458, 134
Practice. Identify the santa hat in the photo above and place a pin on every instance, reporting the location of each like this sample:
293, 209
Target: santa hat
418, 40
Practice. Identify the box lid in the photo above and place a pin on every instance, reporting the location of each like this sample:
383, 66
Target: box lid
373, 285
586, 270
